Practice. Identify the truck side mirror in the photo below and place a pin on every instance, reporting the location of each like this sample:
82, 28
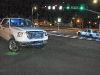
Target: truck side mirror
6, 25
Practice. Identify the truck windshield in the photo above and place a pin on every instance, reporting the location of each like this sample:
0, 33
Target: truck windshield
20, 23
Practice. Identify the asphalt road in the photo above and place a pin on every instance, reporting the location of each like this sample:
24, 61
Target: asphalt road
61, 56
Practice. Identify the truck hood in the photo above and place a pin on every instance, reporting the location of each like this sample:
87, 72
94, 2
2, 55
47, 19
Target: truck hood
27, 29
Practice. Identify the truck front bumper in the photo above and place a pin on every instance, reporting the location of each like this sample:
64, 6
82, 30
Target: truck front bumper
33, 43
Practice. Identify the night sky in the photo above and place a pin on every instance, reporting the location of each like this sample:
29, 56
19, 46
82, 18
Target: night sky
23, 7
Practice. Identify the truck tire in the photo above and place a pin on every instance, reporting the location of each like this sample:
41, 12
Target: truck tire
13, 45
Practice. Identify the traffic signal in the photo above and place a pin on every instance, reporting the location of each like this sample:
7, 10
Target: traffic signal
82, 7
56, 5
68, 7
45, 6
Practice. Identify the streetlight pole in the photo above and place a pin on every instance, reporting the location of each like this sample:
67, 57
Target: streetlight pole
33, 8
32, 14
95, 2
96, 13
99, 26
59, 20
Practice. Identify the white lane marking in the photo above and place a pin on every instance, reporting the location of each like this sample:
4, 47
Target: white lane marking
81, 38
67, 36
52, 34
89, 39
59, 35
74, 37
70, 36
98, 39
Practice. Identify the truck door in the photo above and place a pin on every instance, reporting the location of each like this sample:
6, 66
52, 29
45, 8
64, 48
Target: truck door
5, 29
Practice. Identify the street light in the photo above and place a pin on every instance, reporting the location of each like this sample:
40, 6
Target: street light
98, 17
95, 1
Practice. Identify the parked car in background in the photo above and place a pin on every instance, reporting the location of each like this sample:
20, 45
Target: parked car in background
45, 23
36, 22
88, 33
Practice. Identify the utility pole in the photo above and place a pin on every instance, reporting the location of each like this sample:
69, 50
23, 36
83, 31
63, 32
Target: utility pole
96, 13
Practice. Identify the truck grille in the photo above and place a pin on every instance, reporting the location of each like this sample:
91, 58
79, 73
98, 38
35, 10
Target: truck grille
35, 34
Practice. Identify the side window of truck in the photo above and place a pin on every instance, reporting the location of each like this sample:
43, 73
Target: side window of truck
5, 23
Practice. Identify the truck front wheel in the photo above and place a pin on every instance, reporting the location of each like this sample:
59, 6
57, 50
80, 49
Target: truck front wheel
13, 45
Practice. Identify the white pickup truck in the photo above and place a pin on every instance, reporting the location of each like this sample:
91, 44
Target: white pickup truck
21, 32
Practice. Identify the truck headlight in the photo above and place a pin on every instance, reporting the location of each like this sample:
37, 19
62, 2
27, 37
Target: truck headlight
20, 34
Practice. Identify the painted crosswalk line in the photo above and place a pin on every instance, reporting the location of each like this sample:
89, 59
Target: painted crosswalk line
67, 36
74, 37
89, 39
98, 40
52, 34
59, 35
82, 38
